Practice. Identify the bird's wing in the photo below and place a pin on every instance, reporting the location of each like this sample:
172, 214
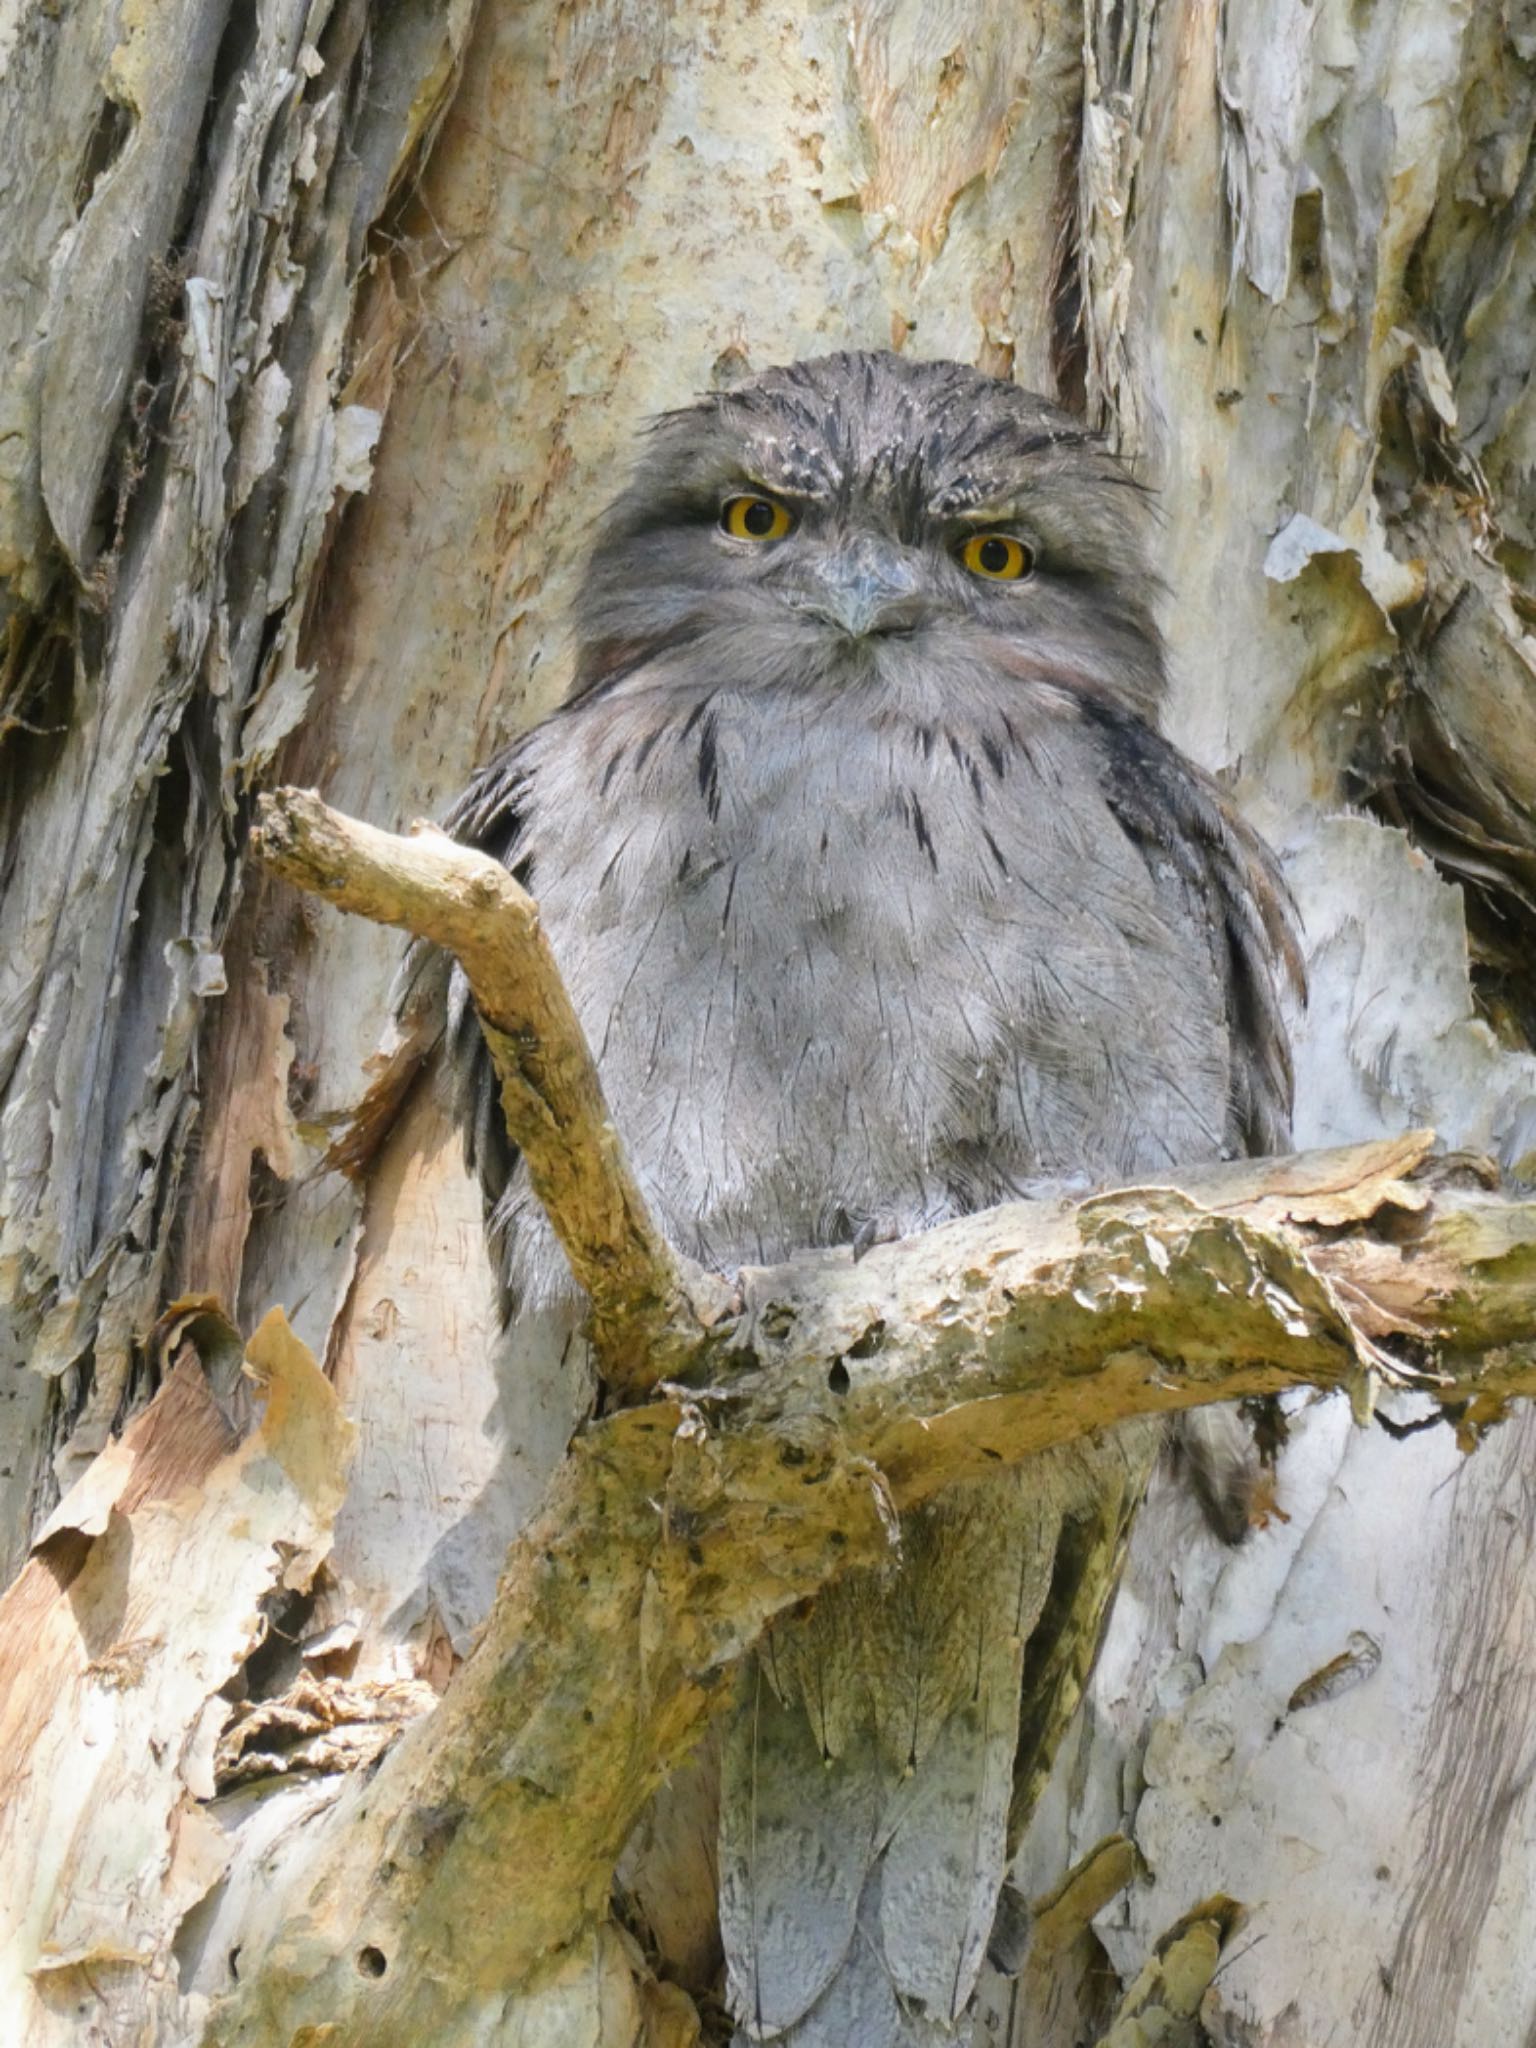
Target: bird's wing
870, 1799
1176, 814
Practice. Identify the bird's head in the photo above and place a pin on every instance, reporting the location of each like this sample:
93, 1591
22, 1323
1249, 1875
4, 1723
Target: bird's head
860, 516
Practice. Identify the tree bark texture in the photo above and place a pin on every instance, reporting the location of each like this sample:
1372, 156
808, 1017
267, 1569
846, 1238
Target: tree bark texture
326, 329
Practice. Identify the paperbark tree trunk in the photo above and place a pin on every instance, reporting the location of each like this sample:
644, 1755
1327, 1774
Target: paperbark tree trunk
326, 331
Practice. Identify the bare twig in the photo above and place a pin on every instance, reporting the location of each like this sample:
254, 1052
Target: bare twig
649, 1304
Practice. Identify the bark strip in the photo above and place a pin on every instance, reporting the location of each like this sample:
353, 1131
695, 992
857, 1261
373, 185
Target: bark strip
1162, 2003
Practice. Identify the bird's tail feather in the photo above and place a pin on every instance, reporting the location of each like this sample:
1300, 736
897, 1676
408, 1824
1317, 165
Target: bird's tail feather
868, 1772
1217, 1448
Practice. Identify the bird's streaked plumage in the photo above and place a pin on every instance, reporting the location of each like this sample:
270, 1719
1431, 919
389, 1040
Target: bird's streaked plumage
881, 899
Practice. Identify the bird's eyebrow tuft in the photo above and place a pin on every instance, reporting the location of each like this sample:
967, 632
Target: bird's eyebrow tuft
793, 468
965, 493
803, 486
795, 487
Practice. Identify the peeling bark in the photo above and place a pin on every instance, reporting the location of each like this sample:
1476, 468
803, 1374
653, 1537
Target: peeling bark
176, 434
140, 1602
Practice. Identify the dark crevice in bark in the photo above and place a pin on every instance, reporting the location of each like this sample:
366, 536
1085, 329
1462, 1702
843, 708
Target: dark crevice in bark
106, 143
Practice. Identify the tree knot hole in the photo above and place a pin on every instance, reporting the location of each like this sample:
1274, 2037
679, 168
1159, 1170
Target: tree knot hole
866, 1345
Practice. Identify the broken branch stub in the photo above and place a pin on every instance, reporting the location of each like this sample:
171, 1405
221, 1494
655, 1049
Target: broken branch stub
650, 1306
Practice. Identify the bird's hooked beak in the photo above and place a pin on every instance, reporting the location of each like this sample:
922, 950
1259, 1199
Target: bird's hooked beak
869, 586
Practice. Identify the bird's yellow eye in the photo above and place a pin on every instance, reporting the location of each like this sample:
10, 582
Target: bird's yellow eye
997, 556
750, 518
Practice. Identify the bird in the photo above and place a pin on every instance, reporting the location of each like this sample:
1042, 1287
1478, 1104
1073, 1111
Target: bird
882, 898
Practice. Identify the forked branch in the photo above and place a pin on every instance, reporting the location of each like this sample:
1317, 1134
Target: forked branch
789, 1429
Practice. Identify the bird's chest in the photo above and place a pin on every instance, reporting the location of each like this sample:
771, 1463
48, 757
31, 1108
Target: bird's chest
813, 888
837, 964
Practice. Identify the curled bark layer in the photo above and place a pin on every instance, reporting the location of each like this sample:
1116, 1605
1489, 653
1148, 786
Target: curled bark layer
1162, 2003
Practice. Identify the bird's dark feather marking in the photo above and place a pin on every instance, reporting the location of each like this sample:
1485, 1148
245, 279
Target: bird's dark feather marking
699, 710
995, 850
709, 765
1032, 444
919, 824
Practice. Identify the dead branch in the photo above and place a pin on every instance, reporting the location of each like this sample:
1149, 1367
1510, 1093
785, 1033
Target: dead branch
648, 1302
776, 1457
